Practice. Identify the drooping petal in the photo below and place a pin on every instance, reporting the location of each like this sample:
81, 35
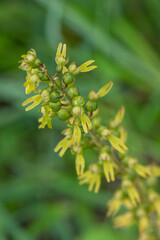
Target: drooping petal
117, 143
118, 118
76, 137
86, 123
80, 164
64, 144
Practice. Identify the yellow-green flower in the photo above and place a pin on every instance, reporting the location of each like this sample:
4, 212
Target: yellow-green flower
29, 61
118, 118
29, 87
61, 55
105, 89
132, 192
115, 203
108, 166
76, 137
82, 68
85, 66
123, 134
92, 177
37, 99
108, 171
80, 164
86, 123
124, 220
142, 171
143, 221
119, 199
46, 119
117, 143
155, 201
64, 144
32, 81
155, 170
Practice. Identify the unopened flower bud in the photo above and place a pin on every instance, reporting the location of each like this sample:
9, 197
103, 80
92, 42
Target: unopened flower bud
91, 106
63, 114
54, 97
72, 67
67, 78
71, 120
78, 101
77, 110
45, 96
92, 96
56, 106
73, 91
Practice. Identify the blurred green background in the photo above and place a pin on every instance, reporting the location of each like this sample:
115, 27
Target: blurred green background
39, 193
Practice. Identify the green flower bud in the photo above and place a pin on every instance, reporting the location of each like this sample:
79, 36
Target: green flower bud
72, 84
67, 78
73, 91
72, 67
77, 110
78, 100
91, 106
59, 68
92, 96
56, 106
63, 114
54, 97
45, 96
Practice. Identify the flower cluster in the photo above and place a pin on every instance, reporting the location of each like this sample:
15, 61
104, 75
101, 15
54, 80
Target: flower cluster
58, 96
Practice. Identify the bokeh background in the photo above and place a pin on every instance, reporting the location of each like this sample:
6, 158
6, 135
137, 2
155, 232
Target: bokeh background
39, 193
